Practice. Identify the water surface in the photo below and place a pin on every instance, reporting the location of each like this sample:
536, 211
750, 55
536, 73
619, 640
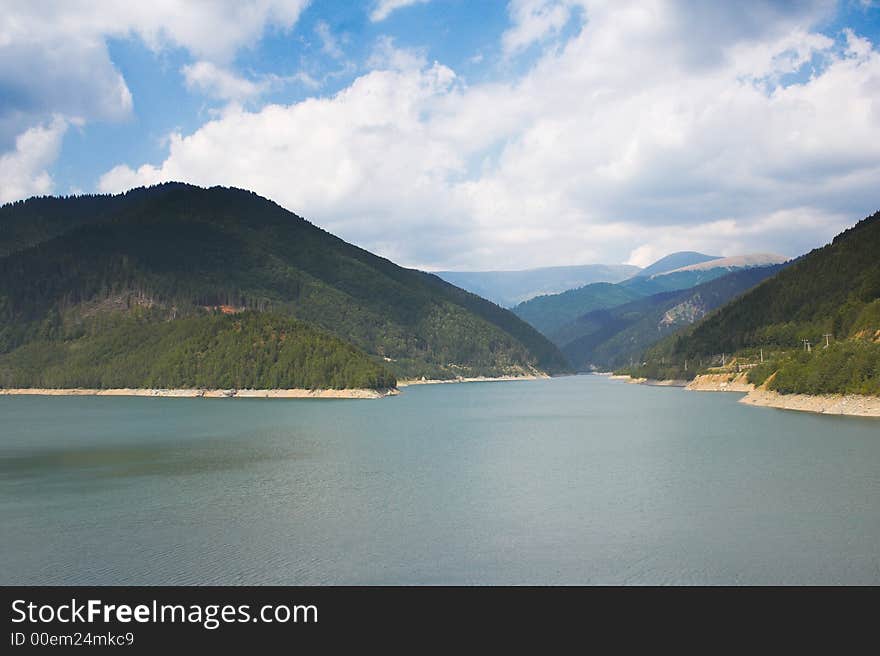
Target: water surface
570, 480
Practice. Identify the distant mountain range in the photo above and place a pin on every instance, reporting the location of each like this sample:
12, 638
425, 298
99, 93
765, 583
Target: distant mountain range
612, 337
180, 286
507, 288
551, 313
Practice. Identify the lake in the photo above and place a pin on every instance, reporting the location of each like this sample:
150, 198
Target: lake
579, 480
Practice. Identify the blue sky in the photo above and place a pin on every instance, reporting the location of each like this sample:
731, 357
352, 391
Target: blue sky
464, 134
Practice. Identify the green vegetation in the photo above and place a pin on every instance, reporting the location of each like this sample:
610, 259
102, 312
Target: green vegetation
833, 291
180, 250
244, 351
850, 367
551, 313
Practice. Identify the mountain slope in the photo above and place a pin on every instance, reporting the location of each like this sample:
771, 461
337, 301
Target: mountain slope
734, 262
550, 313
182, 251
833, 290
248, 351
674, 261
609, 338
29, 222
692, 275
507, 288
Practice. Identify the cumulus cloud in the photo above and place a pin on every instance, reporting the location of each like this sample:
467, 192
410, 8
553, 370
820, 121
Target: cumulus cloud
630, 139
23, 169
54, 58
384, 8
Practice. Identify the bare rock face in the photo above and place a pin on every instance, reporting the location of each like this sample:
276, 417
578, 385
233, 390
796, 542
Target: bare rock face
684, 313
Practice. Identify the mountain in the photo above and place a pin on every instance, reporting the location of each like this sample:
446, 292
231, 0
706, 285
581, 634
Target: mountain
833, 291
691, 275
733, 263
609, 338
675, 261
507, 288
194, 267
550, 313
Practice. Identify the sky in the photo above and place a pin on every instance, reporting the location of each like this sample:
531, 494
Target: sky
464, 134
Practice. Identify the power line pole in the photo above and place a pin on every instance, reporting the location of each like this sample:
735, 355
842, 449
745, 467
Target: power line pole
762, 356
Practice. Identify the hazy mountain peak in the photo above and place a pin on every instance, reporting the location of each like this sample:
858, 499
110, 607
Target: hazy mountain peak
732, 262
675, 261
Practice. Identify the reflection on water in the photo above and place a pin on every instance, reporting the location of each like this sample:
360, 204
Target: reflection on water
573, 480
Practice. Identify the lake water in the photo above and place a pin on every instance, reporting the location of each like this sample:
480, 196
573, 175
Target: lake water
573, 480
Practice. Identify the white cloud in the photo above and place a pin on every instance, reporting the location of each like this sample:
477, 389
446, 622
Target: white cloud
629, 140
54, 59
329, 42
387, 56
23, 170
220, 83
383, 8
533, 21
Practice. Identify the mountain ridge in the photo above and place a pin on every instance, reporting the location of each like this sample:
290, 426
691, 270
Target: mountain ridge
511, 287
550, 314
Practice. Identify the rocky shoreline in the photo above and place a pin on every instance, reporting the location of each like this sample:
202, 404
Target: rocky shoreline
210, 394
853, 405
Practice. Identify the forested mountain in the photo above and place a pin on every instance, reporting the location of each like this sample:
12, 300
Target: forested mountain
611, 337
507, 288
89, 269
833, 291
550, 313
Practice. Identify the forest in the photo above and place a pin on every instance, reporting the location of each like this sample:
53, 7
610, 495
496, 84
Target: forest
214, 351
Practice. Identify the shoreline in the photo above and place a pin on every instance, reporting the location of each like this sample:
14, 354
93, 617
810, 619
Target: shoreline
195, 393
850, 405
356, 393
475, 379
651, 382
